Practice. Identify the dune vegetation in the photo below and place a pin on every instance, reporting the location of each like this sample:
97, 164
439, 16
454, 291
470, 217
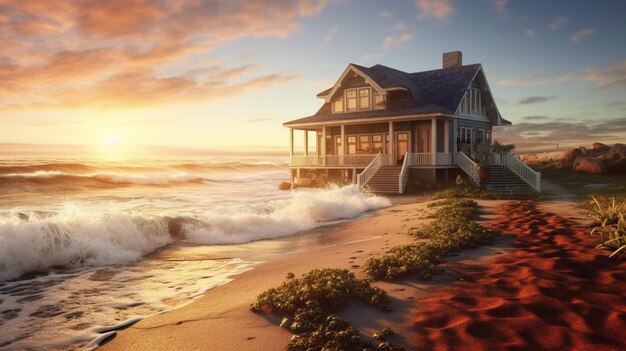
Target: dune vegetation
609, 215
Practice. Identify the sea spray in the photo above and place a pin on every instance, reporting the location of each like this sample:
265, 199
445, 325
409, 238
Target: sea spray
96, 235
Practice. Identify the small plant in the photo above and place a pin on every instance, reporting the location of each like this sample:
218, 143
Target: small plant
453, 229
609, 217
308, 302
383, 334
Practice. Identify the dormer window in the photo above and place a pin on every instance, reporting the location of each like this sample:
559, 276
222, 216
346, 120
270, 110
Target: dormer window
359, 99
351, 100
364, 99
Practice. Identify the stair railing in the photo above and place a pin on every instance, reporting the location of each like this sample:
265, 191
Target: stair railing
404, 173
527, 174
364, 177
468, 166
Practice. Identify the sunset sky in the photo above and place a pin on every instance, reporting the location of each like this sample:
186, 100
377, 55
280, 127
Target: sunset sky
216, 75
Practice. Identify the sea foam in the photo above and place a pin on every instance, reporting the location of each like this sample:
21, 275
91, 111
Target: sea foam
91, 236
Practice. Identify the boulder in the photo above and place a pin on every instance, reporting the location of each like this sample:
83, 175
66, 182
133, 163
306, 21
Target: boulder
305, 182
567, 159
589, 165
599, 147
284, 186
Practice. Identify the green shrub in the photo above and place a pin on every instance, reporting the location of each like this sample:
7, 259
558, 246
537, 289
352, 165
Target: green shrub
452, 230
308, 303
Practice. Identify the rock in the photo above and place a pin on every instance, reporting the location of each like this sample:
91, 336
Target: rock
589, 165
23, 216
599, 147
284, 186
568, 158
305, 182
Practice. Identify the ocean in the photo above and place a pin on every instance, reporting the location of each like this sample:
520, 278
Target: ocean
78, 237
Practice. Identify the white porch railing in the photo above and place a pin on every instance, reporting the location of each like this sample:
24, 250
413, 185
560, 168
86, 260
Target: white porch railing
404, 173
527, 174
338, 160
371, 169
468, 166
443, 159
419, 159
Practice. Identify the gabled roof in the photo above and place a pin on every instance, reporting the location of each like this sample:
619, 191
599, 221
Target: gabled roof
436, 91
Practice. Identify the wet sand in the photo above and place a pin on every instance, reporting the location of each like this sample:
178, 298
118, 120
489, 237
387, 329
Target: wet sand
541, 285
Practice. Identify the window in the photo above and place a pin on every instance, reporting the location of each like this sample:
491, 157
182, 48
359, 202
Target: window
380, 102
350, 100
377, 143
472, 103
364, 99
364, 143
338, 105
480, 137
488, 136
351, 145
338, 144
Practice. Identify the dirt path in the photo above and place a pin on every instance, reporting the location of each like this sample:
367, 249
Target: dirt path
552, 291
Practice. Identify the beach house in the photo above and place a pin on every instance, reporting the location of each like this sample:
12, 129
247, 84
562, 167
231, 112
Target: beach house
385, 128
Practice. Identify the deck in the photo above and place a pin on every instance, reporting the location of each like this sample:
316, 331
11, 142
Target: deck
420, 160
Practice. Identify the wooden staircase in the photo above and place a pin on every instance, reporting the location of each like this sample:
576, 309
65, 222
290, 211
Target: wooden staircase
386, 180
503, 180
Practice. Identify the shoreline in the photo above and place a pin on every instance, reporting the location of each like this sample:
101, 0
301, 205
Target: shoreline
221, 317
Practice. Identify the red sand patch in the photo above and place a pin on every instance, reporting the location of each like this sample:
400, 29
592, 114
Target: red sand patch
553, 291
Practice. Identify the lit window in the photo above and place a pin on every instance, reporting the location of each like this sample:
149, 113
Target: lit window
379, 101
364, 143
351, 145
350, 100
377, 143
364, 99
338, 105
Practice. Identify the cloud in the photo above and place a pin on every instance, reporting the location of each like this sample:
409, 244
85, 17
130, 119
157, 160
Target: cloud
501, 6
531, 33
394, 41
537, 79
400, 26
581, 34
535, 118
384, 14
58, 52
607, 77
535, 136
612, 76
328, 37
438, 9
535, 99
557, 23
260, 120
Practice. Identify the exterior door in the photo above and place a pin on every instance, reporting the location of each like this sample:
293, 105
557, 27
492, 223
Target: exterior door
402, 146
423, 140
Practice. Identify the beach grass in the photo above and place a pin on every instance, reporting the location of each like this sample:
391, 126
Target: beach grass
609, 215
308, 303
453, 229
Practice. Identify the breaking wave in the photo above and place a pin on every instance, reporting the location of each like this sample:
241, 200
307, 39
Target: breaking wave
87, 236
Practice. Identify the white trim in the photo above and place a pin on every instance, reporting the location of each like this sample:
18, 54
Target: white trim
367, 78
370, 120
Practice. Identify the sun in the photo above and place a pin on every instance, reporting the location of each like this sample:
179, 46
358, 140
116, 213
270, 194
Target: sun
112, 140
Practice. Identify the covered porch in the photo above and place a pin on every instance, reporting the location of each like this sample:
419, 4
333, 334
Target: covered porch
428, 142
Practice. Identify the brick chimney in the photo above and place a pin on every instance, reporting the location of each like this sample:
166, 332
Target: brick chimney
452, 59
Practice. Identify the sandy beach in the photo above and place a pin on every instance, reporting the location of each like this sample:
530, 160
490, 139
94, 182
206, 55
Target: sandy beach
540, 286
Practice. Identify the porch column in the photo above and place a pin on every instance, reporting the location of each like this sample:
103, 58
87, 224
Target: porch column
323, 145
290, 144
433, 141
446, 137
392, 143
306, 142
455, 129
343, 140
